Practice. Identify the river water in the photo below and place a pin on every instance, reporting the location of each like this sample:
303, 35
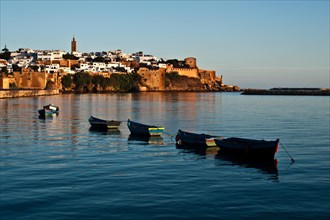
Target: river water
58, 168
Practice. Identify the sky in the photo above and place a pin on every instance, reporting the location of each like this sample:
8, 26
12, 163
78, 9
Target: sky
252, 44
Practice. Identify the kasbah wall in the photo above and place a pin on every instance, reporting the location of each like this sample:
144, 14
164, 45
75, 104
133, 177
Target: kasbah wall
155, 79
28, 79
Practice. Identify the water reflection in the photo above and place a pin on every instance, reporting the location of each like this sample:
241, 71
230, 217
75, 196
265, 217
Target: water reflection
265, 167
105, 132
157, 140
48, 116
268, 167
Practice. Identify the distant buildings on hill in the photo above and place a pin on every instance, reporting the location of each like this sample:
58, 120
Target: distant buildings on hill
39, 65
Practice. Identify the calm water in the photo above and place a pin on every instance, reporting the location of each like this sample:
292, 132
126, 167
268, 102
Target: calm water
58, 169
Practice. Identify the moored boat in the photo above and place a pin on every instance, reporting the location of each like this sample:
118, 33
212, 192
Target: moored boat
248, 148
143, 129
98, 123
238, 147
186, 139
48, 110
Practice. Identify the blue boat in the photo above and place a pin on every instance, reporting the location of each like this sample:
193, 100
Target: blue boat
143, 129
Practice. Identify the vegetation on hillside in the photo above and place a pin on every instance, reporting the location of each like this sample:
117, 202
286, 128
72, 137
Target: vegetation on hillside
5, 54
69, 56
177, 63
174, 81
84, 82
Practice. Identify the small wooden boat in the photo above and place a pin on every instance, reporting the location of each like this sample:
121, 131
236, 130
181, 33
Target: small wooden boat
143, 129
48, 110
186, 139
248, 148
239, 147
97, 123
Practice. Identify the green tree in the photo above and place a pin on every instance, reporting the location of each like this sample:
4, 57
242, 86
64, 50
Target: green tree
82, 79
67, 81
69, 56
5, 54
4, 71
16, 68
35, 68
99, 59
125, 82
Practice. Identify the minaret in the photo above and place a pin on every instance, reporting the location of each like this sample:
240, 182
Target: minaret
73, 45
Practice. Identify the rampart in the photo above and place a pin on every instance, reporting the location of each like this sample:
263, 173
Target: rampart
184, 71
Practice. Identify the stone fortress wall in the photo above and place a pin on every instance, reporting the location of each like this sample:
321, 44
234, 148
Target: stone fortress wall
153, 79
28, 79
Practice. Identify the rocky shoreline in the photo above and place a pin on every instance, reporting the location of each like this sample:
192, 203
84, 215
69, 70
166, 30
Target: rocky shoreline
289, 91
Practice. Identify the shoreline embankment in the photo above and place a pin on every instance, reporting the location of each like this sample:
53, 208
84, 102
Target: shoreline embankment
17, 93
289, 91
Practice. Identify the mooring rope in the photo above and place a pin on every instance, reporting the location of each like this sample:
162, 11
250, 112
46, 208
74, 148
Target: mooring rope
170, 135
292, 160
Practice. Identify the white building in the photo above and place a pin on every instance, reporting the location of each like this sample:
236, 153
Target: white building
50, 55
77, 54
162, 65
52, 68
143, 58
21, 61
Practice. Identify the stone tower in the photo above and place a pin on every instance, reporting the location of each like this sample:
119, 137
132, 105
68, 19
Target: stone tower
191, 61
73, 45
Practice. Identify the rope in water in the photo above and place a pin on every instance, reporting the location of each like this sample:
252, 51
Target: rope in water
292, 160
170, 135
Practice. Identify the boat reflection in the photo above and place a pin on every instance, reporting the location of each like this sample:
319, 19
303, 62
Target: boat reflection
157, 140
268, 167
265, 167
43, 117
105, 131
210, 151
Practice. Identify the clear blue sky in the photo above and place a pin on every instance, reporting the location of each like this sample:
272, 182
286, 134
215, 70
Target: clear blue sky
253, 44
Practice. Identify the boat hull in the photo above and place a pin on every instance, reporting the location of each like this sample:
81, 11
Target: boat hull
48, 110
101, 124
186, 139
238, 147
248, 148
143, 129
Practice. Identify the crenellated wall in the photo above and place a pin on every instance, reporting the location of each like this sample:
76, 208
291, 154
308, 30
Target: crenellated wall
184, 71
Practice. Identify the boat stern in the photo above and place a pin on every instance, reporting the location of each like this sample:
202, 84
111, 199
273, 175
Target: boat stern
156, 131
